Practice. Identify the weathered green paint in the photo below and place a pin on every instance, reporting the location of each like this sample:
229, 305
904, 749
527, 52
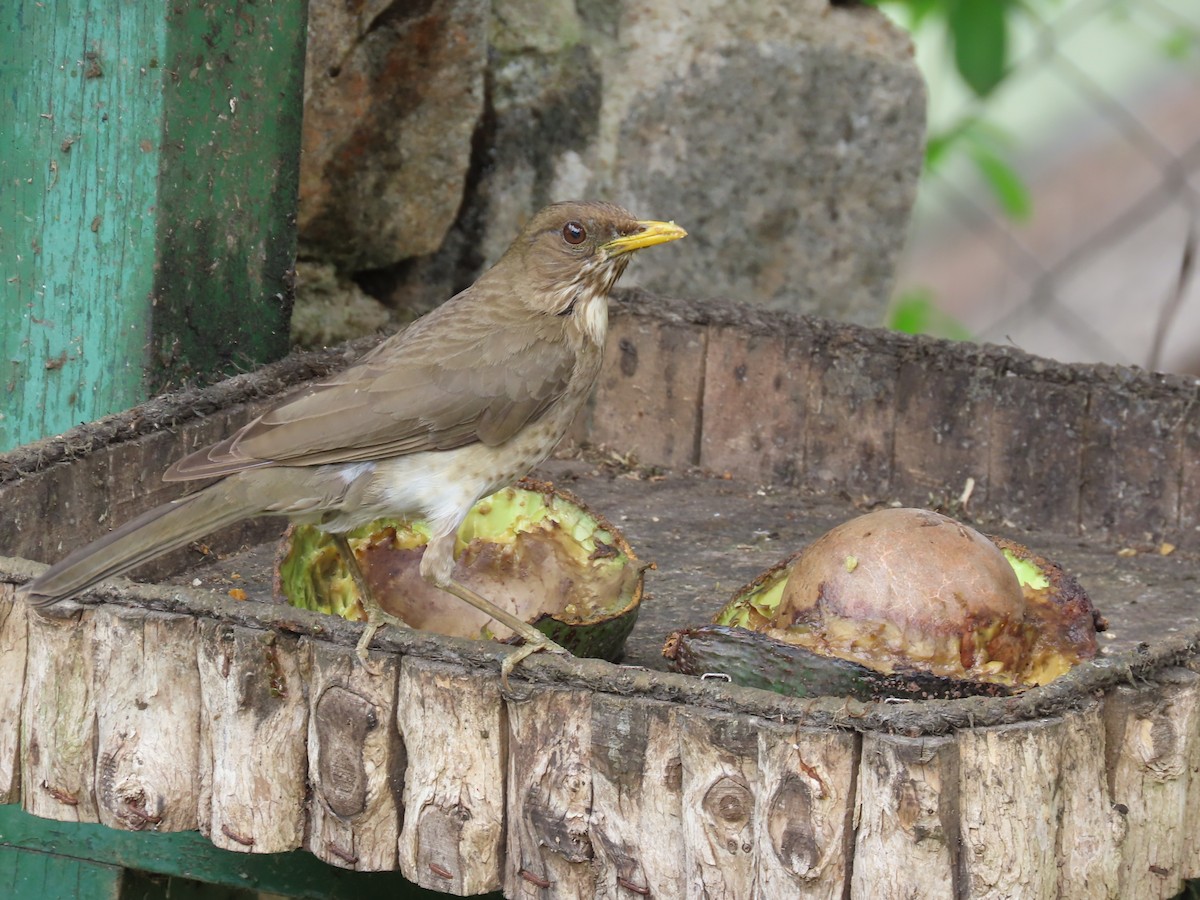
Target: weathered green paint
228, 184
148, 172
77, 208
191, 855
47, 876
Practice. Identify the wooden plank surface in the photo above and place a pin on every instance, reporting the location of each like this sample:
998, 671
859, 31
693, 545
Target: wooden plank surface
1151, 735
907, 840
804, 821
1091, 830
148, 712
943, 419
1010, 808
1035, 466
636, 777
548, 795
253, 735
58, 717
14, 640
755, 402
355, 760
144, 248
454, 731
851, 416
720, 781
647, 400
1132, 487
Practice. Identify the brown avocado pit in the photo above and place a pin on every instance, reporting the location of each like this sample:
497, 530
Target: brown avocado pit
531, 549
913, 602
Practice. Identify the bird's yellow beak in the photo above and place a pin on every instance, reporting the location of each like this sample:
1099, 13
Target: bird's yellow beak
651, 233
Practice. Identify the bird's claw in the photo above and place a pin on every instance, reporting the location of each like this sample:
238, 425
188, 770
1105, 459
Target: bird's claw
544, 645
376, 619
361, 650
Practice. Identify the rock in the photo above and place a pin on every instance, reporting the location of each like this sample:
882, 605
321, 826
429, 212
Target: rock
787, 139
331, 308
393, 93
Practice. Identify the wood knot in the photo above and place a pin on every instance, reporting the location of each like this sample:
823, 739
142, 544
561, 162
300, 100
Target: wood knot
790, 825
343, 720
728, 805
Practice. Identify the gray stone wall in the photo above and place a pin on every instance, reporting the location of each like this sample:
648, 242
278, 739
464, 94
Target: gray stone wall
785, 136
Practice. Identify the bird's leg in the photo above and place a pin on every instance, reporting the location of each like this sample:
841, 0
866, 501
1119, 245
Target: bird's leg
437, 567
376, 617
535, 641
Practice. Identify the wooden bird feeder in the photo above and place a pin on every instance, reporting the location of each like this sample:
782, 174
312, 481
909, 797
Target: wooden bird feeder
176, 707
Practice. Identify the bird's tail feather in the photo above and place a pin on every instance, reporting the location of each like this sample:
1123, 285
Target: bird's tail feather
162, 529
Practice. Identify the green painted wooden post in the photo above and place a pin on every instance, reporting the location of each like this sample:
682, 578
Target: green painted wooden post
149, 159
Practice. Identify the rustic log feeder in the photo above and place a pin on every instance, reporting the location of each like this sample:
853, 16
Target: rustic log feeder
742, 436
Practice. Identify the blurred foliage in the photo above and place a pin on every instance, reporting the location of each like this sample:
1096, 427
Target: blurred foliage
986, 146
978, 31
915, 312
979, 45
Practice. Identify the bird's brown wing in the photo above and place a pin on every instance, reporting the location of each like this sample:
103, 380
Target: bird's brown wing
417, 391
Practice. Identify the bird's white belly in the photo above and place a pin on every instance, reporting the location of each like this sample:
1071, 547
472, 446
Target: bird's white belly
439, 486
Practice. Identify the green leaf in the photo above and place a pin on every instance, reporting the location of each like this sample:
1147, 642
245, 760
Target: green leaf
938, 146
1006, 185
1178, 45
914, 312
980, 32
916, 11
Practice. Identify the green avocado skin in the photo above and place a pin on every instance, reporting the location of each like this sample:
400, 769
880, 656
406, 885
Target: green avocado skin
754, 660
595, 640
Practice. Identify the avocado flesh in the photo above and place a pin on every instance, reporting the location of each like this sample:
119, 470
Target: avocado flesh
869, 659
533, 550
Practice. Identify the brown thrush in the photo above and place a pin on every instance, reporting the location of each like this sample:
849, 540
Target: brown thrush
456, 406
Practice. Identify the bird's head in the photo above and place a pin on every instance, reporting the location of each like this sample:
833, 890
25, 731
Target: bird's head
571, 254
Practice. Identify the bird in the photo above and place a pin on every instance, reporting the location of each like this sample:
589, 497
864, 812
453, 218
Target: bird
462, 402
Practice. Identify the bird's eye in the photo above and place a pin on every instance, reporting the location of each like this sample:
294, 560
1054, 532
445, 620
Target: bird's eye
574, 233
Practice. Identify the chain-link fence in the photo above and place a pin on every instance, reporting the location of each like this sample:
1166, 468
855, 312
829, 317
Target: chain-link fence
1101, 116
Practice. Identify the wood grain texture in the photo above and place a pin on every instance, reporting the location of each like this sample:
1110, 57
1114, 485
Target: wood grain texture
1151, 733
851, 418
147, 719
253, 734
907, 841
454, 728
1034, 460
636, 792
58, 718
755, 405
549, 795
1091, 831
943, 418
719, 757
1010, 803
14, 642
355, 760
145, 247
1189, 489
1132, 462
1190, 855
648, 397
804, 819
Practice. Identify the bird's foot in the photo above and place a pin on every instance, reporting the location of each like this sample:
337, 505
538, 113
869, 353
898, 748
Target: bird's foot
530, 647
376, 619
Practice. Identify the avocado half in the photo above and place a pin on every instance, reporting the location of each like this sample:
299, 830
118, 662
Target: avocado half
898, 603
532, 549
